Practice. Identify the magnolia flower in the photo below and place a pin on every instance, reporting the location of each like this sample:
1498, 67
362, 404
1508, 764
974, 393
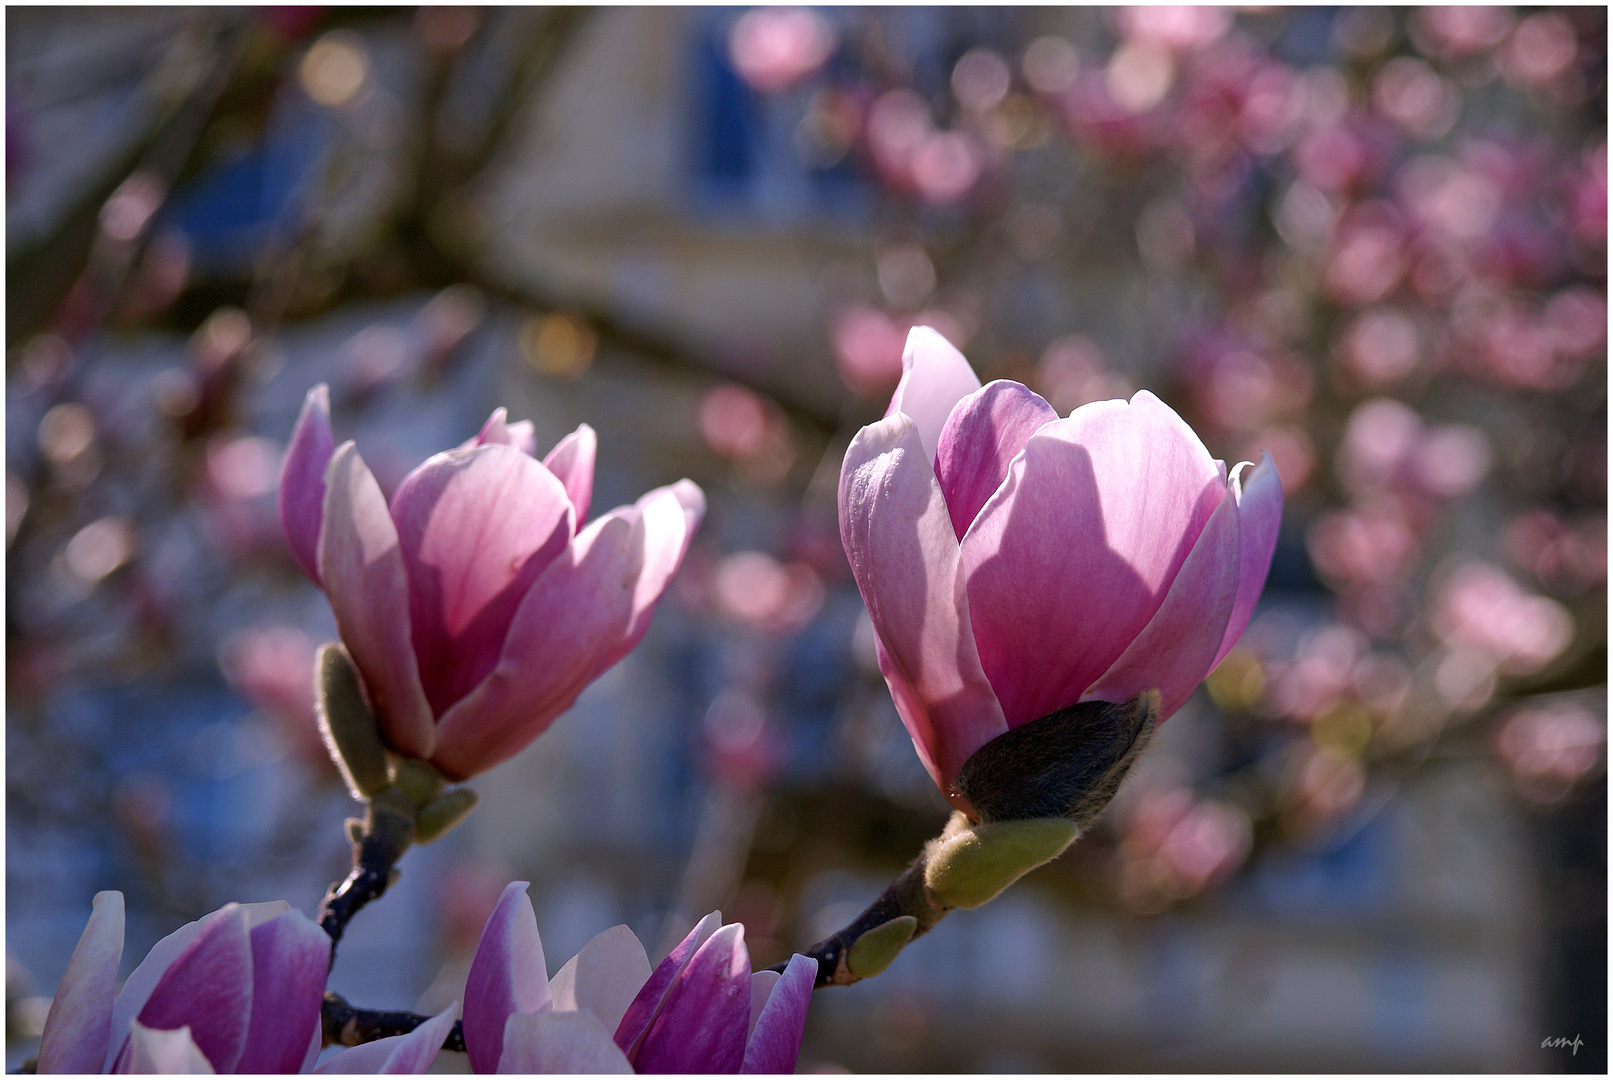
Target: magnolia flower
236, 992
1015, 563
700, 1011
474, 607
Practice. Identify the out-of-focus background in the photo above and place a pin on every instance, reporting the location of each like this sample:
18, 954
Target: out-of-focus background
1372, 242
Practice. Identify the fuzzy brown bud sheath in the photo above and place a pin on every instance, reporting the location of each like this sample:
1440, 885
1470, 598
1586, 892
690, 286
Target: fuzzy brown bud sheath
1034, 789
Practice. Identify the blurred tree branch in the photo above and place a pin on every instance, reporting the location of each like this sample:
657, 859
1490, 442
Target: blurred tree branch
75, 262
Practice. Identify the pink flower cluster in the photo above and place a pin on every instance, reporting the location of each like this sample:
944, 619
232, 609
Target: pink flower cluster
240, 991
701, 1010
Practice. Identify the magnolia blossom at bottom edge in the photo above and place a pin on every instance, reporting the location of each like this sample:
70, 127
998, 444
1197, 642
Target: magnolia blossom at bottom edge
240, 991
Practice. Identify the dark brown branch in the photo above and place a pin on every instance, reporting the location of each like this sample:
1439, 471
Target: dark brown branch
386, 835
904, 896
344, 1025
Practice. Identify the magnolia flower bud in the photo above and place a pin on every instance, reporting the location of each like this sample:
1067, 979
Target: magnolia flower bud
476, 604
1018, 565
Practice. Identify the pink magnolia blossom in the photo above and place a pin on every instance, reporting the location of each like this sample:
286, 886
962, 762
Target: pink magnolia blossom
1015, 563
238, 991
474, 606
701, 1010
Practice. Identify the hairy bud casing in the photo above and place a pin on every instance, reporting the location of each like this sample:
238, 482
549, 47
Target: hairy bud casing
968, 868
1068, 764
346, 723
443, 813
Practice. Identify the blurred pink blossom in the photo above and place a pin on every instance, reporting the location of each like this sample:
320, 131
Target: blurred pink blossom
273, 667
1320, 786
946, 166
1334, 158
1380, 346
1587, 198
1367, 256
1073, 371
1241, 386
1175, 27
1439, 194
1456, 31
1409, 92
911, 155
774, 49
1551, 747
868, 349
1291, 451
735, 421
1540, 49
1177, 845
1320, 673
1478, 606
755, 588
1567, 559
1371, 544
1576, 320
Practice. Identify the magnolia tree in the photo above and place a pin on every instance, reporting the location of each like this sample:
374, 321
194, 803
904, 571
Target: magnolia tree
1045, 590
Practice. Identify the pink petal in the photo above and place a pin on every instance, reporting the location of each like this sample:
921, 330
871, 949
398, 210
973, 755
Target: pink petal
904, 554
560, 1042
507, 975
1073, 555
362, 566
980, 438
209, 988
761, 988
572, 461
365, 1059
1174, 651
701, 1025
476, 528
604, 978
143, 979
1260, 514
496, 431
316, 1043
647, 1003
915, 715
775, 1042
290, 960
396, 1054
79, 1024
584, 613
523, 438
935, 377
302, 479
665, 541
417, 1050
172, 1053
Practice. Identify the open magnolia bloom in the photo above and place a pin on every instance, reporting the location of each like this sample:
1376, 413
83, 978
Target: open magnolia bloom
1015, 563
236, 992
700, 1011
474, 607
